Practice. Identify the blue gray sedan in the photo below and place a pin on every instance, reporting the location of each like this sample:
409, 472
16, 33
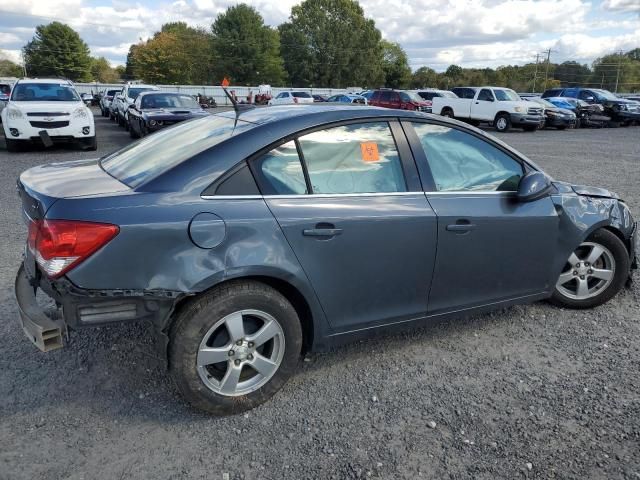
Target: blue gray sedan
247, 239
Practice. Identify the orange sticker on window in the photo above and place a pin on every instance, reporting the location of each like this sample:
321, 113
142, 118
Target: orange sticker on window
370, 152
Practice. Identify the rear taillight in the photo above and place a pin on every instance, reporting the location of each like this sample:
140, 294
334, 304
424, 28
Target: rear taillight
60, 245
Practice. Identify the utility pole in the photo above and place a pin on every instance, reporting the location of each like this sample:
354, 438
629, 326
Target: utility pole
535, 73
618, 70
546, 72
24, 63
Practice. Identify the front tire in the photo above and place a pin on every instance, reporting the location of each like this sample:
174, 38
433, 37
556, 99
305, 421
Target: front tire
233, 348
502, 122
594, 273
530, 128
13, 146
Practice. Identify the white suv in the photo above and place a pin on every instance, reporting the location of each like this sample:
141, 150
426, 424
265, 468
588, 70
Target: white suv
49, 111
128, 95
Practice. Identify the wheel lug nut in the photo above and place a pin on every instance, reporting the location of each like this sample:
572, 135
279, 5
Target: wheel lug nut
231, 353
590, 272
581, 277
250, 357
575, 273
237, 361
578, 265
239, 342
251, 344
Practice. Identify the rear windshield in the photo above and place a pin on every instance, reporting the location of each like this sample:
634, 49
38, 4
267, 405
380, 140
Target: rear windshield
145, 159
44, 92
301, 95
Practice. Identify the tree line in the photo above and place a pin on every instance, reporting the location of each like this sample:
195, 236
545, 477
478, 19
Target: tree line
324, 43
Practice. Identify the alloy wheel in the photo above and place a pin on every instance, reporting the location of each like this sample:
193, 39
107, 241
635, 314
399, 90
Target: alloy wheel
240, 352
588, 272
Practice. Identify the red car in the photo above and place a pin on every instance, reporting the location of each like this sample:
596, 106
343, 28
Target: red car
404, 100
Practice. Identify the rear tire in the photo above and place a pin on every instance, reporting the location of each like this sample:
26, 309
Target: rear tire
90, 144
605, 256
502, 122
447, 112
132, 132
214, 372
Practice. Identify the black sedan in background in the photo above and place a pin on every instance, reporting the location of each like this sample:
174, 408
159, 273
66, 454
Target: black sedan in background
555, 116
154, 110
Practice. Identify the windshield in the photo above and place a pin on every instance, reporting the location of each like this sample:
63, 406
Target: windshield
506, 95
44, 92
168, 100
605, 94
134, 92
141, 161
410, 97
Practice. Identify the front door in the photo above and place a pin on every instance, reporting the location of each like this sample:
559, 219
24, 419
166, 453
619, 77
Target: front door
491, 248
483, 107
365, 238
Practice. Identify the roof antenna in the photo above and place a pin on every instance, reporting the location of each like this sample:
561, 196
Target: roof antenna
236, 106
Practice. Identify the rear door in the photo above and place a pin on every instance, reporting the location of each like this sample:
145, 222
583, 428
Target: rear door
491, 248
349, 201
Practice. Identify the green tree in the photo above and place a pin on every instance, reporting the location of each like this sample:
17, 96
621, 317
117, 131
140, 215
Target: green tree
245, 49
424, 77
101, 71
571, 73
330, 43
616, 72
9, 68
58, 50
395, 65
177, 53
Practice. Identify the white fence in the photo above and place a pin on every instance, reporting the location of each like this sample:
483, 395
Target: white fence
209, 90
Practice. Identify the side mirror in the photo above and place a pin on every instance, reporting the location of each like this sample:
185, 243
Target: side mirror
533, 186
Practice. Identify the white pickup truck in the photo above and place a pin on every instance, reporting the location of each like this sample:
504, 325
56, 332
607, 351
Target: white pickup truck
501, 107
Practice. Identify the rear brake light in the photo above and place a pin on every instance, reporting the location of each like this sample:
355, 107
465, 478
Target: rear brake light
60, 245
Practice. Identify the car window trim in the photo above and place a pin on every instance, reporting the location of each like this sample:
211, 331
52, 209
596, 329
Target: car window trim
313, 195
430, 186
400, 141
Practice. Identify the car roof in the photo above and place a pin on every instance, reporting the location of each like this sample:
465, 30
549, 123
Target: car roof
160, 92
45, 80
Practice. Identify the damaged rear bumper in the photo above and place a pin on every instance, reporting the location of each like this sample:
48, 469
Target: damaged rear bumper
84, 308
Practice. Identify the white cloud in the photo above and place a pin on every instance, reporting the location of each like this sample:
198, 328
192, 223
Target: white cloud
434, 32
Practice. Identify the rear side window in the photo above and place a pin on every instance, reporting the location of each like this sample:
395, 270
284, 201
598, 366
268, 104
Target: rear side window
281, 171
464, 92
385, 96
301, 95
460, 161
358, 158
140, 161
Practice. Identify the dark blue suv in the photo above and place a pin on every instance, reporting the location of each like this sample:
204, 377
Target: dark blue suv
620, 110
249, 238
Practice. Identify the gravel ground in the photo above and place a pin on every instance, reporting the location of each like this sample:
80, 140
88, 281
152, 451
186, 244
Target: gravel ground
526, 392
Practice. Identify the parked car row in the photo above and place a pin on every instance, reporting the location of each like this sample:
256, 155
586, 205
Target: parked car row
144, 109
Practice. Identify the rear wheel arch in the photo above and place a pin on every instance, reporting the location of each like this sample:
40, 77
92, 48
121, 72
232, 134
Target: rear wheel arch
286, 289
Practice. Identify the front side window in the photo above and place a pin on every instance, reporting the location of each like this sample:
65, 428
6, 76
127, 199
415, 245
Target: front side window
281, 171
485, 95
358, 158
301, 95
44, 92
460, 161
134, 92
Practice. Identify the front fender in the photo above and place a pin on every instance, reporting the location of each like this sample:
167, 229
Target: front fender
582, 215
